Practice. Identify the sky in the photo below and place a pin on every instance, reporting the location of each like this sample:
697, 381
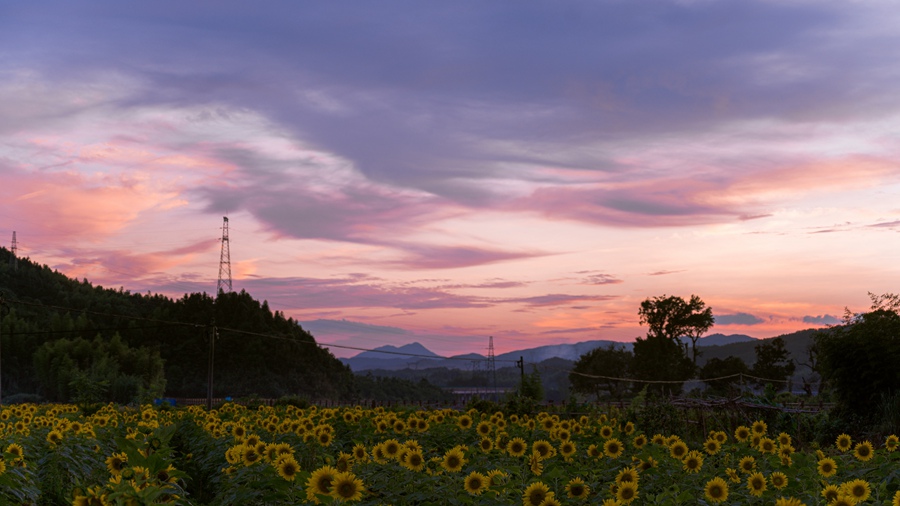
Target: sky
442, 172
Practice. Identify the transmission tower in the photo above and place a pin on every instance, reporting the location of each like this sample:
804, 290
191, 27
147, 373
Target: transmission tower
224, 285
13, 259
492, 368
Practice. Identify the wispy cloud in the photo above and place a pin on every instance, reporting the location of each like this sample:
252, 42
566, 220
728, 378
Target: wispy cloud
738, 319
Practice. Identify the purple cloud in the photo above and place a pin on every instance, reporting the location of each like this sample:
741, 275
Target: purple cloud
738, 319
826, 319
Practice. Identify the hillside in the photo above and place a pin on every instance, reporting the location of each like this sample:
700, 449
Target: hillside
257, 352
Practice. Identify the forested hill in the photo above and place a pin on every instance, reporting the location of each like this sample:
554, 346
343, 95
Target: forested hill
63, 338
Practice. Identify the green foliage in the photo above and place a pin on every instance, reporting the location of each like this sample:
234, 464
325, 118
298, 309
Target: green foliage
612, 362
531, 386
661, 359
859, 359
89, 372
258, 351
718, 368
773, 362
374, 388
673, 318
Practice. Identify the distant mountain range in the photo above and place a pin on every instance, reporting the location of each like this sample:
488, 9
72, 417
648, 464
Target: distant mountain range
416, 356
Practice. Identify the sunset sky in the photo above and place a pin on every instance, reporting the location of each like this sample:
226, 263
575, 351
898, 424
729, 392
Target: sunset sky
443, 172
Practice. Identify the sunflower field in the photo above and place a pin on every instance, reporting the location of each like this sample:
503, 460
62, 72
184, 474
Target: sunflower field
55, 454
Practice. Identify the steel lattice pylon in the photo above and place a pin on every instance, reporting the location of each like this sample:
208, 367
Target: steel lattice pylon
224, 284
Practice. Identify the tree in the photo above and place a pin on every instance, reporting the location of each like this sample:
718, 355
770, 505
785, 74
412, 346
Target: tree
661, 359
859, 358
729, 368
612, 362
674, 318
773, 362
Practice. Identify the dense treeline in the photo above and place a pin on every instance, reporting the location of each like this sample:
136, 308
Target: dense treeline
59, 341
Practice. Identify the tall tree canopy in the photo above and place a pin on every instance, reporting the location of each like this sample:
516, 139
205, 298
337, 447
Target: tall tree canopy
674, 318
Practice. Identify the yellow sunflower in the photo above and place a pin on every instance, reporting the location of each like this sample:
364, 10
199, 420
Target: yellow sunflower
476, 483
678, 450
567, 449
778, 479
789, 501
711, 446
319, 483
613, 448
766, 445
742, 433
516, 447
464, 421
535, 494
891, 443
830, 493
639, 441
759, 428
346, 487
627, 492
116, 463
858, 489
288, 468
413, 460
843, 442
864, 451
896, 501
756, 483
693, 461
827, 467
577, 489
747, 464
453, 460
716, 490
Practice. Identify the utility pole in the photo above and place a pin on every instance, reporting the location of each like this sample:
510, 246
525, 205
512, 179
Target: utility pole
224, 284
213, 333
492, 365
13, 258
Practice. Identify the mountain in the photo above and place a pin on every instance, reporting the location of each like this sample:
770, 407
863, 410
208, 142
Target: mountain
565, 351
722, 339
389, 352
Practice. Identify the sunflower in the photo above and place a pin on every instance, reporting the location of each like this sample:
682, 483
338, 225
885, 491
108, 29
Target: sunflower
486, 445
550, 500
830, 493
484, 428
54, 437
610, 502
496, 477
17, 452
116, 463
391, 448
896, 501
693, 461
827, 467
594, 451
464, 421
747, 464
543, 449
476, 483
678, 450
577, 489
779, 480
567, 449
346, 487
639, 441
535, 494
534, 462
413, 460
756, 483
613, 448
249, 455
891, 443
627, 492
288, 468
453, 460
742, 433
864, 451
627, 475
789, 501
658, 439
716, 490
711, 446
843, 500
606, 432
759, 428
359, 453
320, 482
343, 462
766, 445
733, 475
378, 454
843, 442
516, 447
857, 489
